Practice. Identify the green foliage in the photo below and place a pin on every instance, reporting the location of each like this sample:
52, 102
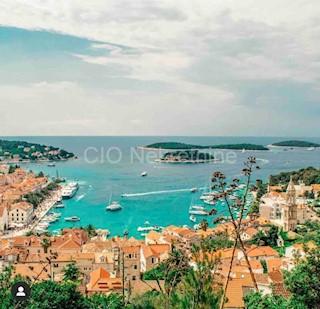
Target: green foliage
266, 239
25, 151
295, 143
257, 301
90, 229
71, 273
187, 155
309, 175
36, 198
176, 145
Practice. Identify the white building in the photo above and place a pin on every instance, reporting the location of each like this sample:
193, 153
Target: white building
20, 213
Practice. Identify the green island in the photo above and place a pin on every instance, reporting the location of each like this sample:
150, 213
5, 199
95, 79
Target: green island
181, 146
20, 151
186, 156
295, 143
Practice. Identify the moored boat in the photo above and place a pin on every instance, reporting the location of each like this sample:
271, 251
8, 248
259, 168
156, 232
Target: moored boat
193, 218
72, 219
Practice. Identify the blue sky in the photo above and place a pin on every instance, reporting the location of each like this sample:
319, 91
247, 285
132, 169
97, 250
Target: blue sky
159, 67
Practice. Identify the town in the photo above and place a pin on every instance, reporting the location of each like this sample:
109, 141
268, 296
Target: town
122, 264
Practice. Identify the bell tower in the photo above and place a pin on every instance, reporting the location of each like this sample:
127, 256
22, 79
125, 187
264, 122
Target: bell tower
290, 209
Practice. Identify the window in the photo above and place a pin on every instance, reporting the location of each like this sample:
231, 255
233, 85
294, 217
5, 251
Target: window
133, 277
135, 266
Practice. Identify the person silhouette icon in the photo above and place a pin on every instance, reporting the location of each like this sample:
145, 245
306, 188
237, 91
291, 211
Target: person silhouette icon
21, 292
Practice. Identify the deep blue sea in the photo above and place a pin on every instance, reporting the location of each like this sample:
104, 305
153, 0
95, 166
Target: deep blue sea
99, 174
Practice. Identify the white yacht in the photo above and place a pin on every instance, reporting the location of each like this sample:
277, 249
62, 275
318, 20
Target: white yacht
114, 206
311, 148
209, 202
58, 205
70, 190
73, 218
198, 212
198, 207
193, 218
143, 174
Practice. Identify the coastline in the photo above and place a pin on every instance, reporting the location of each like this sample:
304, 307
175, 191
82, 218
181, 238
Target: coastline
40, 212
183, 149
187, 161
36, 161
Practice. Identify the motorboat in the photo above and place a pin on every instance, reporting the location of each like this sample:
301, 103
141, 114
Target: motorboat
193, 218
209, 202
193, 190
143, 174
198, 212
59, 205
198, 207
72, 219
51, 165
114, 206
70, 190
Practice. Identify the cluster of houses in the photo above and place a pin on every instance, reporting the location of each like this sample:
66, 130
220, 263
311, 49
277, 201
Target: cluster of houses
288, 209
14, 186
117, 264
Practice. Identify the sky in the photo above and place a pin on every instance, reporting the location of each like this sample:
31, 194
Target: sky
145, 67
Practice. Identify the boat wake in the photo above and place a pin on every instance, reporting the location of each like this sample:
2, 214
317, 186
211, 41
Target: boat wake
263, 161
80, 197
155, 192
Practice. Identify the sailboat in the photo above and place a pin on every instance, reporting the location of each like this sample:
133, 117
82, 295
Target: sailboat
113, 206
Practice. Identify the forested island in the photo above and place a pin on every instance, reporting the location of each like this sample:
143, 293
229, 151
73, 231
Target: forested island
183, 146
187, 156
295, 143
20, 151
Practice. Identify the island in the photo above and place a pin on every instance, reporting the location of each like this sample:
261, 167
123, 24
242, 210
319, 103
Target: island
187, 156
183, 146
20, 151
295, 143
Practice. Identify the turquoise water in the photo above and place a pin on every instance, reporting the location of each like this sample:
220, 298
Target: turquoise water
98, 179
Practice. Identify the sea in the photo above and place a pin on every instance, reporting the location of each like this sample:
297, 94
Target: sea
109, 167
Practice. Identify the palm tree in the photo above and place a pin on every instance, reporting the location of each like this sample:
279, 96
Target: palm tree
45, 243
204, 224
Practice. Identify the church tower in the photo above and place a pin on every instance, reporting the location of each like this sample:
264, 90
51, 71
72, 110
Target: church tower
290, 209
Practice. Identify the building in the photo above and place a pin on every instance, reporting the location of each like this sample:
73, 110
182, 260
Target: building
21, 212
153, 255
4, 221
102, 281
282, 208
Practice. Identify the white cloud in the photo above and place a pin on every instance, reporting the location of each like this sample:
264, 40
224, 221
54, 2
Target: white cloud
207, 53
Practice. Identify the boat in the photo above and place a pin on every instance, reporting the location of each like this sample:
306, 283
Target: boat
193, 218
114, 206
143, 174
197, 226
51, 165
72, 219
209, 202
207, 195
198, 207
243, 150
70, 190
146, 223
311, 148
58, 205
198, 212
193, 190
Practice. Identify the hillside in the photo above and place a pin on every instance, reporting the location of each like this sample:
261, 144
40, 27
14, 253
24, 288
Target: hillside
25, 151
295, 143
309, 175
182, 146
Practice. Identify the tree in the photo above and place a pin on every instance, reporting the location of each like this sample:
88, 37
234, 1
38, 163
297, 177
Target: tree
304, 281
45, 243
255, 300
204, 224
90, 229
71, 273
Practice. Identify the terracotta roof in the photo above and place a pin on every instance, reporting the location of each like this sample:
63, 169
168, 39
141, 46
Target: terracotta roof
21, 205
280, 289
255, 251
274, 264
100, 280
154, 250
251, 231
276, 276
